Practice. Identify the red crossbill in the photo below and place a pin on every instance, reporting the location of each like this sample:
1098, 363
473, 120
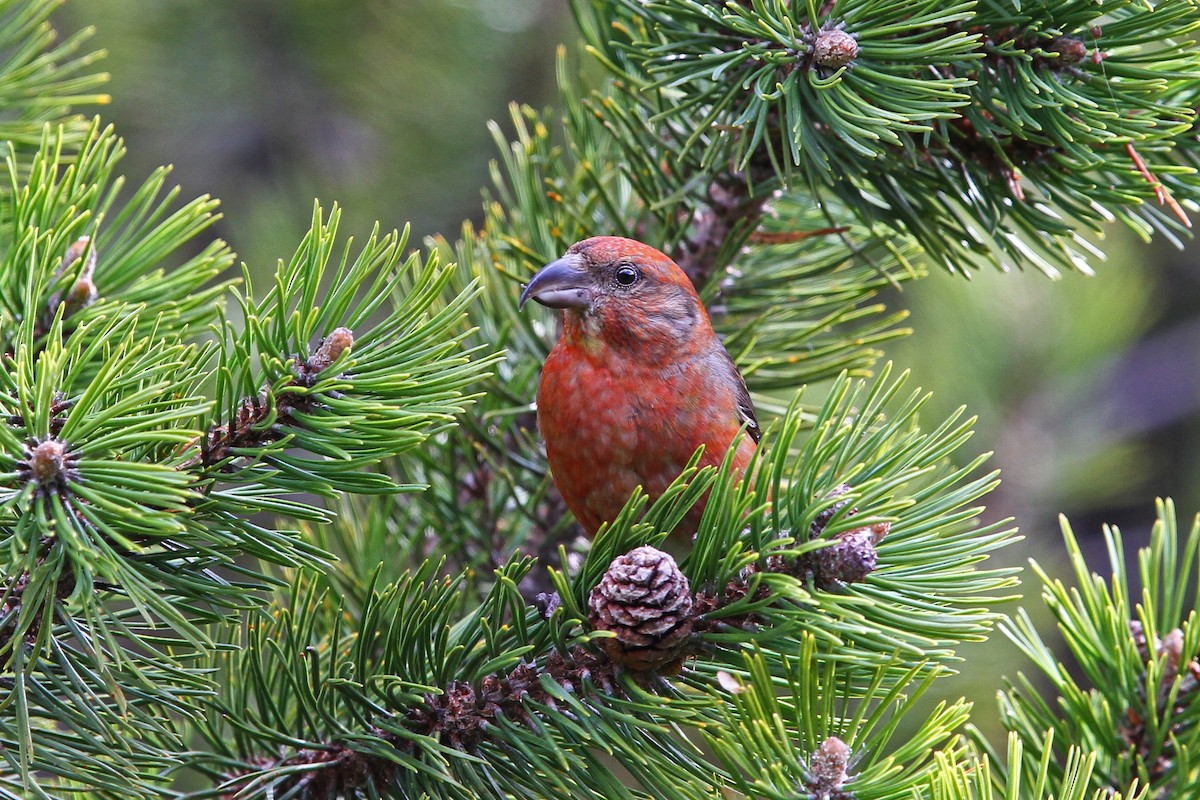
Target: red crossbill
637, 381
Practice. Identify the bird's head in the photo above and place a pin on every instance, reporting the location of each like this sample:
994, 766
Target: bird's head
619, 292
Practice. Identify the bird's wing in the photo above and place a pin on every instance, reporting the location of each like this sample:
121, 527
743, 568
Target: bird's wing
745, 406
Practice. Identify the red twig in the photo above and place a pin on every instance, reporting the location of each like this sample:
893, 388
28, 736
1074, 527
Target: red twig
1160, 191
787, 237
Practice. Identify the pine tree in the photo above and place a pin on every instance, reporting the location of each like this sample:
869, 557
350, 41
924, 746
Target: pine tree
298, 540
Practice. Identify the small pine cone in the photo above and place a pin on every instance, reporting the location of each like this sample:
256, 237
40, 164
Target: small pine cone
82, 292
852, 556
1070, 49
1139, 638
81, 295
834, 49
822, 519
331, 349
1172, 646
645, 600
827, 768
46, 461
851, 559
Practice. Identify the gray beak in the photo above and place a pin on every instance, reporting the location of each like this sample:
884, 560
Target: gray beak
564, 283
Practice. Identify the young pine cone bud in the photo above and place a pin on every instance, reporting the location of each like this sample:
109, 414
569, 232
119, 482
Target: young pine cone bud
834, 49
645, 600
822, 519
46, 462
82, 292
853, 557
1070, 49
827, 769
851, 560
81, 295
331, 349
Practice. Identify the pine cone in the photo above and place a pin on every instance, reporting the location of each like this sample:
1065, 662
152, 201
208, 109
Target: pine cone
849, 559
853, 557
331, 349
834, 49
822, 519
1139, 638
645, 600
1070, 49
828, 769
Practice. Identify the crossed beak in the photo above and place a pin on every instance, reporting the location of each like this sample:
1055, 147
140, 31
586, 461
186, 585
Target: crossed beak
564, 283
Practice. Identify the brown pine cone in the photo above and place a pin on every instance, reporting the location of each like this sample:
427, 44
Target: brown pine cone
331, 349
828, 769
834, 48
822, 519
645, 600
852, 558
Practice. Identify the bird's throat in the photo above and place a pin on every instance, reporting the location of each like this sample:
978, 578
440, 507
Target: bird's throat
583, 332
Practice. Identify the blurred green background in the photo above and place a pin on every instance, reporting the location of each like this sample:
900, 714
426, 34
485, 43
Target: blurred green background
1087, 389
380, 106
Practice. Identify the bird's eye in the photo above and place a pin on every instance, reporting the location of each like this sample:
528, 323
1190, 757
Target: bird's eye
627, 276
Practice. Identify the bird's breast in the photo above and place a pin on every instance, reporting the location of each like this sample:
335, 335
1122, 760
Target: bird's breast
616, 405
611, 424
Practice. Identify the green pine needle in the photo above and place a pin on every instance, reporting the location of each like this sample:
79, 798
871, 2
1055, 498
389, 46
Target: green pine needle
1131, 700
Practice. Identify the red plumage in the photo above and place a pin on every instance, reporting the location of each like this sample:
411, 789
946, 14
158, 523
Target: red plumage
637, 381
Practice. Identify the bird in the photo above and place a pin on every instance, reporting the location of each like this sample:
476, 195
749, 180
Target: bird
636, 382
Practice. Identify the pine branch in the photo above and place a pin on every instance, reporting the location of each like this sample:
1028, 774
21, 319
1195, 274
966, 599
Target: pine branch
81, 250
1137, 709
811, 739
1068, 779
367, 391
430, 689
121, 545
735, 206
257, 422
965, 127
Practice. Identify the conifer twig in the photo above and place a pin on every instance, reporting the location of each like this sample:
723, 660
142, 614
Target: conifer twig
248, 428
